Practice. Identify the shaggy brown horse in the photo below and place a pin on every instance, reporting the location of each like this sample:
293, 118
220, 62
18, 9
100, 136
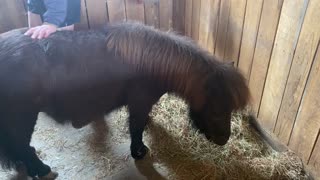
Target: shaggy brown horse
78, 76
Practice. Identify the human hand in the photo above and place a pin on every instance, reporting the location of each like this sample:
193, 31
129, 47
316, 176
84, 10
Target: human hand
42, 31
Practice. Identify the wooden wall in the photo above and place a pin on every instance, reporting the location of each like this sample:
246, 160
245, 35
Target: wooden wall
12, 15
275, 43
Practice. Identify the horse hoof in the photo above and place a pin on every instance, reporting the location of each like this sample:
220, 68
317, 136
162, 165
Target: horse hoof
50, 176
140, 153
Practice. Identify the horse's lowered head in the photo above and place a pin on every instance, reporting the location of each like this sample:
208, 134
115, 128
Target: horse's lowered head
225, 92
213, 122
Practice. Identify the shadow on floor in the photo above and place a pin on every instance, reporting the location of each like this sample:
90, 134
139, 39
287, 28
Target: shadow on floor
184, 166
158, 163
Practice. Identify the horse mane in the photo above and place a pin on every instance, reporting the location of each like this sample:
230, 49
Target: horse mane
176, 61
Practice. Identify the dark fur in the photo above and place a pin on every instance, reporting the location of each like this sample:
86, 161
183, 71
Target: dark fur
79, 76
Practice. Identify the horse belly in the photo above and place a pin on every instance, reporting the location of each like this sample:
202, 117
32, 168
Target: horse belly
81, 106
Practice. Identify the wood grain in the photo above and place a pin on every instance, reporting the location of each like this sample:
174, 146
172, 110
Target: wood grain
13, 15
222, 28
134, 11
301, 65
116, 10
290, 23
213, 26
204, 22
165, 9
265, 41
188, 18
97, 13
152, 13
179, 16
235, 27
307, 125
249, 37
314, 160
196, 4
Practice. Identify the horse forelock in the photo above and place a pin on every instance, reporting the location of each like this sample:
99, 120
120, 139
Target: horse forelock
233, 84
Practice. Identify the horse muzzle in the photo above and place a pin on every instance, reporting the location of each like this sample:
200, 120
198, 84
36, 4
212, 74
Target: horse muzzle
219, 140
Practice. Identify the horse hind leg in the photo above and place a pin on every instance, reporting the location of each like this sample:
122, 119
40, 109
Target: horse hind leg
22, 127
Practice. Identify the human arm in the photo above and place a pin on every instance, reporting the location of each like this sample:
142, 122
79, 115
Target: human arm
53, 17
34, 19
56, 12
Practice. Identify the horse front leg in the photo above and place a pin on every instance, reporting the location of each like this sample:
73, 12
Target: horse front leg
137, 122
21, 150
140, 104
34, 166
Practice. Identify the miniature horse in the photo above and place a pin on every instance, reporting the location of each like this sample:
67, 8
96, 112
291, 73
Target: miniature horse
76, 77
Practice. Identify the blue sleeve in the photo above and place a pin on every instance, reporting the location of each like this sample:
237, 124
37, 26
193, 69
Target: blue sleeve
74, 12
36, 7
56, 11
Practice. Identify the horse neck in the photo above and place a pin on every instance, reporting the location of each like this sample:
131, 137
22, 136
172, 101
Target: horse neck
189, 85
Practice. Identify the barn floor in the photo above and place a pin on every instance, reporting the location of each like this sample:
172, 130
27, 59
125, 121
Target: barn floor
101, 150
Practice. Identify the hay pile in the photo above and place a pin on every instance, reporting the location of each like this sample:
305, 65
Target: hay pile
188, 155
101, 151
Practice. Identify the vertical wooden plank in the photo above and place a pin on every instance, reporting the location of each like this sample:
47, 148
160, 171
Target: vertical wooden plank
222, 28
179, 16
196, 4
235, 27
249, 36
307, 123
116, 10
18, 15
314, 160
188, 18
165, 9
213, 27
290, 23
134, 10
84, 24
204, 23
5, 24
302, 61
152, 13
13, 15
266, 35
97, 13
